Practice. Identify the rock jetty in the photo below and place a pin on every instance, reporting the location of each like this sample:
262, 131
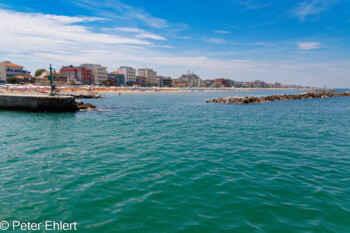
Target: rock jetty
255, 100
84, 95
84, 106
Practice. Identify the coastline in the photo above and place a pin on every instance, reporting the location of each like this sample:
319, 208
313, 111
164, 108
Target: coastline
68, 90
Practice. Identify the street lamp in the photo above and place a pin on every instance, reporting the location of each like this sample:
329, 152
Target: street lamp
51, 81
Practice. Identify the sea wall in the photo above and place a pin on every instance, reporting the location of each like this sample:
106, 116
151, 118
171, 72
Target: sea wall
38, 103
254, 100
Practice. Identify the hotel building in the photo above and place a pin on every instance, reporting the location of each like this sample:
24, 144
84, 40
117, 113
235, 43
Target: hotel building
149, 74
116, 78
77, 74
8, 69
129, 74
190, 80
98, 72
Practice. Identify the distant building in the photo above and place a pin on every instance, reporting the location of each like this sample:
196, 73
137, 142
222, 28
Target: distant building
207, 83
141, 81
176, 83
77, 74
58, 79
25, 79
116, 79
260, 84
218, 82
8, 69
224, 82
167, 82
190, 80
99, 73
160, 81
149, 74
129, 74
56, 76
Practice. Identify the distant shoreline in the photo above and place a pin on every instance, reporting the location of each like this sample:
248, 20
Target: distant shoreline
32, 89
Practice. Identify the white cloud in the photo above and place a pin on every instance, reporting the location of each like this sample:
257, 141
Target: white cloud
118, 10
140, 33
309, 45
147, 35
36, 40
249, 4
26, 30
216, 41
312, 7
128, 29
68, 19
151, 21
222, 32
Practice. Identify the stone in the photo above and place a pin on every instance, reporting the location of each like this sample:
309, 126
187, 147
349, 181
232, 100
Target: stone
253, 100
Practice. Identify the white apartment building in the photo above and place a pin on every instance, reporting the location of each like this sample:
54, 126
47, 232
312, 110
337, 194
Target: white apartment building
8, 69
129, 74
98, 72
149, 74
191, 80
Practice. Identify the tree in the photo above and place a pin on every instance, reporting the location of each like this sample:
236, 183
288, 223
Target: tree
39, 72
12, 80
104, 82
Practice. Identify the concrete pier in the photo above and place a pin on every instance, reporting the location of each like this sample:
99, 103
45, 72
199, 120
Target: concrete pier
37, 103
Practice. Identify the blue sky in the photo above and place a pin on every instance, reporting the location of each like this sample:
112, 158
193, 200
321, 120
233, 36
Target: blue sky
294, 42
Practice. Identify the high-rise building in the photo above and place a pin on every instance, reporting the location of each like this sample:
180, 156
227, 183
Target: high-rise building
116, 78
129, 74
160, 81
260, 84
190, 80
8, 69
77, 74
99, 73
149, 74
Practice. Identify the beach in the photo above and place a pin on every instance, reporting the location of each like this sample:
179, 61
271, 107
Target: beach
77, 90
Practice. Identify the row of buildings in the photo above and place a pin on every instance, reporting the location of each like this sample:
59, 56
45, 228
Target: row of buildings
124, 76
254, 84
97, 74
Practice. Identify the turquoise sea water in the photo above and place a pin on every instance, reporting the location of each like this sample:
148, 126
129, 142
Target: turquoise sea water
169, 162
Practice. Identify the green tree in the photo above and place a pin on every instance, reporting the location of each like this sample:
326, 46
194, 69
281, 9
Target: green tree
39, 72
104, 82
12, 80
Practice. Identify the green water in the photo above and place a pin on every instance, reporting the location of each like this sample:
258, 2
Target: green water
169, 162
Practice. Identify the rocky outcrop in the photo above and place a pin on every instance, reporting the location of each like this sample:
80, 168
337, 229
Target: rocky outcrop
84, 95
254, 100
84, 106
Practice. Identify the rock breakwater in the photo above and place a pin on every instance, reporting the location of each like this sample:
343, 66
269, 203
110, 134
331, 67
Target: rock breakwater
255, 100
84, 106
84, 95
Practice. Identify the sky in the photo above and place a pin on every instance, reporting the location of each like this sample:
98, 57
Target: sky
304, 42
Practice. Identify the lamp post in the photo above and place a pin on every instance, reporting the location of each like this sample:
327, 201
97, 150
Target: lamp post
51, 81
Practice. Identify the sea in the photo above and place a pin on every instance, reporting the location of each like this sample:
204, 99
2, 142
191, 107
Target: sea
170, 162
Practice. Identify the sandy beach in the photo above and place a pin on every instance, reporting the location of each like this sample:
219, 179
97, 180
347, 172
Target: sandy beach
72, 90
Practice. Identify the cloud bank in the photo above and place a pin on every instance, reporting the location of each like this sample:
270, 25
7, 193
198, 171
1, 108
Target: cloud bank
35, 40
